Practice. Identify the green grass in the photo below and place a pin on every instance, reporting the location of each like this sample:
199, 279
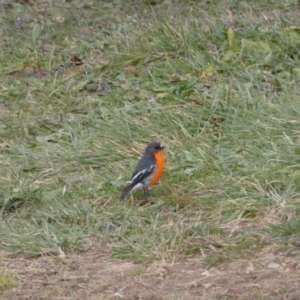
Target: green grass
7, 280
225, 104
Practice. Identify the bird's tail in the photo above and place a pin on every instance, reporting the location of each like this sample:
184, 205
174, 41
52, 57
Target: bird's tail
127, 191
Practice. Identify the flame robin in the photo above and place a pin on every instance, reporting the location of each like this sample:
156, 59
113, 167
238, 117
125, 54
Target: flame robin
148, 171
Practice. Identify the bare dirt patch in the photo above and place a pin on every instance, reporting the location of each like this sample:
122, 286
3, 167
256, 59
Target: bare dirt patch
93, 275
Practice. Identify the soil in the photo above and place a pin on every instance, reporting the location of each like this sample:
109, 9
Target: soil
93, 275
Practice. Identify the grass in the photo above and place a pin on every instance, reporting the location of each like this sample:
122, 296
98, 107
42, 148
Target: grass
7, 280
83, 90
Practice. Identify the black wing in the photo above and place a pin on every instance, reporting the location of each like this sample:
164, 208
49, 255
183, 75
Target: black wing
138, 177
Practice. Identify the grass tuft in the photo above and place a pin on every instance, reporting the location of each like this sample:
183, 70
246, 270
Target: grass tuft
7, 280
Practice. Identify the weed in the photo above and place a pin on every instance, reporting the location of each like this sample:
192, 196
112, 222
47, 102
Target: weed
7, 280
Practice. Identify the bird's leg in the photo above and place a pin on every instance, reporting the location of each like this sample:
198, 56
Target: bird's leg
146, 191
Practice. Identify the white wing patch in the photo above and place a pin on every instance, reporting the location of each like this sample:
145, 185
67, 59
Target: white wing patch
143, 174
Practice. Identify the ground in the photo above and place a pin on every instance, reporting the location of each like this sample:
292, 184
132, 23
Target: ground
94, 275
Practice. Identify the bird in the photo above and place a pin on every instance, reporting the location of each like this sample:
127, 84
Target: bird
148, 170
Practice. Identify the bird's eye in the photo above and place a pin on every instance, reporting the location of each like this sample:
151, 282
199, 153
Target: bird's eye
159, 147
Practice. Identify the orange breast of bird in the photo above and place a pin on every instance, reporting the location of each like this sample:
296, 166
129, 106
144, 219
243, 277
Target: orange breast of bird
160, 161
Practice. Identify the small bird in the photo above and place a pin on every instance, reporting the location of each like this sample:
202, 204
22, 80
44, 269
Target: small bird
148, 171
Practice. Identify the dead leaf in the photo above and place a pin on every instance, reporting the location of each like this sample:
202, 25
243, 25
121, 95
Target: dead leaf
207, 72
75, 60
130, 69
60, 19
175, 77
